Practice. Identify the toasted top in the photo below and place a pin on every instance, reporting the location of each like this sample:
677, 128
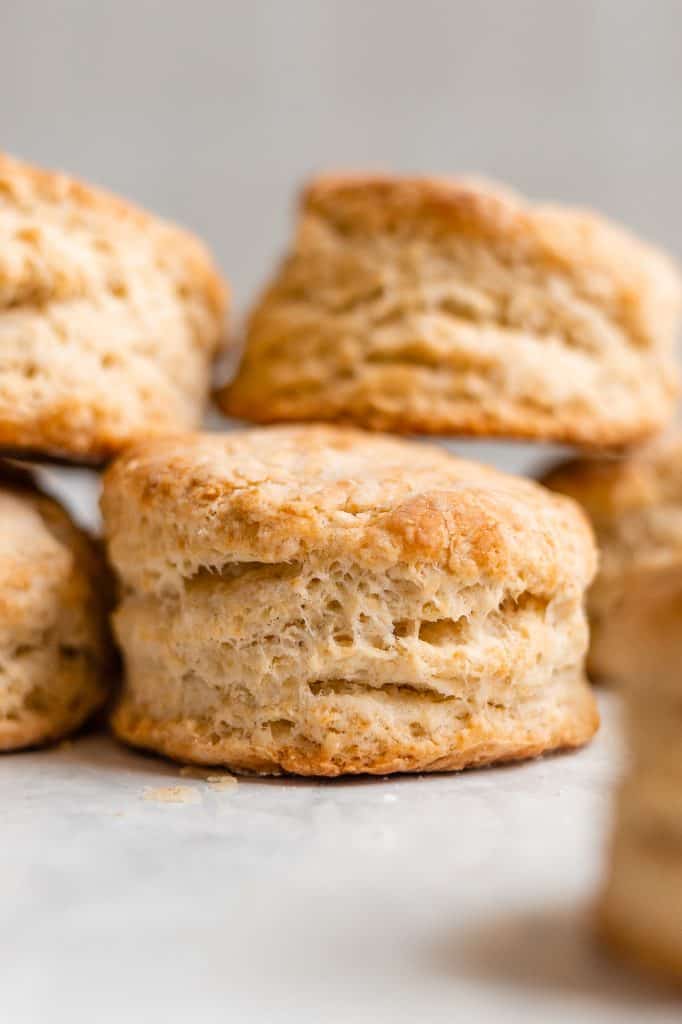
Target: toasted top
282, 494
608, 265
611, 488
64, 240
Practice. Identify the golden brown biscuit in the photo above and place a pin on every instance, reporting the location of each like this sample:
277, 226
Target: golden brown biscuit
640, 912
438, 306
321, 601
109, 319
635, 506
55, 654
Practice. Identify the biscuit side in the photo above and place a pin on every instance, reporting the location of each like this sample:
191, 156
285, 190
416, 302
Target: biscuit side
325, 668
425, 306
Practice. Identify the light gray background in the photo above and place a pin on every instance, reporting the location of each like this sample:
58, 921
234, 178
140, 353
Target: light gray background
212, 111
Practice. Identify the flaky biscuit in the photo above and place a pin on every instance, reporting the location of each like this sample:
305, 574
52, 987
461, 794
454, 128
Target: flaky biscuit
635, 505
641, 908
55, 654
321, 601
422, 305
109, 319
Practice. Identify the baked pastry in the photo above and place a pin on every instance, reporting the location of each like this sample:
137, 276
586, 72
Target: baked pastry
318, 600
640, 913
635, 506
55, 654
453, 307
109, 319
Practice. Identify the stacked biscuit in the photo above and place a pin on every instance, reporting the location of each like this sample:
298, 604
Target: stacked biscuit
452, 307
316, 598
109, 320
321, 599
326, 601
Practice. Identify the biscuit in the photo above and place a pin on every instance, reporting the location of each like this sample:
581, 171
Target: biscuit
635, 506
436, 306
640, 912
109, 319
55, 654
321, 601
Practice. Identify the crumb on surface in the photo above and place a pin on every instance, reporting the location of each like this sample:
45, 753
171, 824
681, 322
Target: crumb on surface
221, 781
171, 794
215, 779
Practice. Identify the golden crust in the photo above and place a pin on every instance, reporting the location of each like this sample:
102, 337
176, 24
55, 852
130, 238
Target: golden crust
109, 318
433, 306
565, 236
502, 740
55, 649
324, 601
24, 184
277, 494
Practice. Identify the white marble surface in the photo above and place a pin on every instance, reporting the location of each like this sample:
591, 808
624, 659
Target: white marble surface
463, 897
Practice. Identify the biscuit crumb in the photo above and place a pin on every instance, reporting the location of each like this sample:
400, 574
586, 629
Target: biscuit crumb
217, 781
222, 781
171, 795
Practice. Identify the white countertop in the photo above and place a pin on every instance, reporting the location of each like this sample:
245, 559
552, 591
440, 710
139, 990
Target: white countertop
443, 898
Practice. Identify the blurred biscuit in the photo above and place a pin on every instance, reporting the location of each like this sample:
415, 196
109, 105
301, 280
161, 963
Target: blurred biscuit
109, 319
635, 506
640, 911
55, 655
321, 601
421, 305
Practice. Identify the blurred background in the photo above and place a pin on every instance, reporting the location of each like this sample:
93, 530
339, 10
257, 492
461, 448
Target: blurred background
213, 112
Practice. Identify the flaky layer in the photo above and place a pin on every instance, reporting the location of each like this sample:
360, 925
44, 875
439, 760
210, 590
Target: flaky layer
446, 307
55, 656
284, 494
109, 319
324, 669
321, 601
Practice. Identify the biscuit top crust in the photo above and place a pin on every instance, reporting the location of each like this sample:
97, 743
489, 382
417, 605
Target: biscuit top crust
612, 487
597, 253
59, 240
281, 494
